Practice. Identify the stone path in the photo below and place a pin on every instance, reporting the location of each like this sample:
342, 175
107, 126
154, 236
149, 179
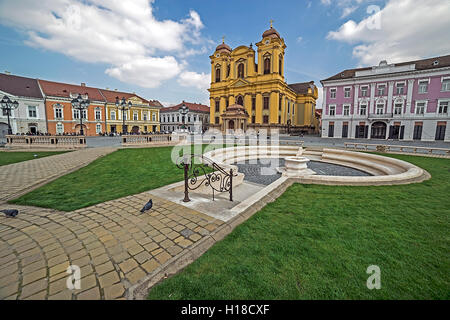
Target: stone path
19, 178
113, 244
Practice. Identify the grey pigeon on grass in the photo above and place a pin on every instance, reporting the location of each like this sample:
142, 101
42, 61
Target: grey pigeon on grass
147, 206
10, 212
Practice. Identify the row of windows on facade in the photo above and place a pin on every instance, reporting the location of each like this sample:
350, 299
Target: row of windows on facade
60, 128
59, 114
266, 104
173, 128
98, 115
398, 108
395, 131
399, 89
241, 68
171, 118
135, 116
32, 112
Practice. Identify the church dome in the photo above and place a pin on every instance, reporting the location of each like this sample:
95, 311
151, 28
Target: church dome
223, 46
271, 33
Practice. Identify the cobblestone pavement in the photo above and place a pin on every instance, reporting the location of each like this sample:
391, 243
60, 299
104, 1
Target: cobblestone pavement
113, 243
19, 177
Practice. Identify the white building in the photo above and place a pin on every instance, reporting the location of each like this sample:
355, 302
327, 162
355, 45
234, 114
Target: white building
29, 117
195, 120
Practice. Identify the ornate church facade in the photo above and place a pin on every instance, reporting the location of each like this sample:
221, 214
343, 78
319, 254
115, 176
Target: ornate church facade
249, 94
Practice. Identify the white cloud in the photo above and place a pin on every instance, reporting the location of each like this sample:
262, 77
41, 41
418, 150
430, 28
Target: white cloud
348, 11
193, 79
123, 34
299, 39
343, 3
147, 72
319, 100
408, 30
167, 104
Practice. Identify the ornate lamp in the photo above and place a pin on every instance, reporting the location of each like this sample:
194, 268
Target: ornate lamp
8, 105
183, 111
80, 104
122, 105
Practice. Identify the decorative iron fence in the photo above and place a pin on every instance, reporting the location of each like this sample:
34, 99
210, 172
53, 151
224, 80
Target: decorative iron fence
200, 170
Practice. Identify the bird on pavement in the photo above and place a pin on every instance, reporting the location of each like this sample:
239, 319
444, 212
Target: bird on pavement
147, 206
10, 212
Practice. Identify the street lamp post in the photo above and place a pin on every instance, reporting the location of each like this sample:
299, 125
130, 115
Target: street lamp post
80, 104
123, 106
183, 111
8, 105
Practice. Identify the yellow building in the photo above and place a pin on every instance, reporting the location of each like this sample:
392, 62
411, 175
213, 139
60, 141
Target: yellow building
246, 94
141, 117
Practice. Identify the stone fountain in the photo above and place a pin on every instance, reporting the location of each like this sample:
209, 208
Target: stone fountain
297, 166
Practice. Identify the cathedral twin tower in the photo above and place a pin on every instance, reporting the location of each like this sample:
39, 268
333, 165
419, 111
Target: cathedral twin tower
246, 95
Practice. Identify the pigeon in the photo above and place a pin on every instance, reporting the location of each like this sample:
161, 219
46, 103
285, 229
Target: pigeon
147, 206
10, 212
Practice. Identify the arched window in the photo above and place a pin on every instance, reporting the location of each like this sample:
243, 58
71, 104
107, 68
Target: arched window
266, 65
217, 74
241, 70
240, 101
228, 70
280, 65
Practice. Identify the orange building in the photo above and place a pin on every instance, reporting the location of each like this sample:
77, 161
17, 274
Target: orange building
62, 118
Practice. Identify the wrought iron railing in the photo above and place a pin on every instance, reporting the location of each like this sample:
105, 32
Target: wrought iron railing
200, 170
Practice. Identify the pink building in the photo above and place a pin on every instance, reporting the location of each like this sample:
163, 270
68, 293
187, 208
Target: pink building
404, 101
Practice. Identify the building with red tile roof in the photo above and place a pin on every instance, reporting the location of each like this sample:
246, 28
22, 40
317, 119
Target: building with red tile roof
196, 119
29, 117
141, 117
62, 118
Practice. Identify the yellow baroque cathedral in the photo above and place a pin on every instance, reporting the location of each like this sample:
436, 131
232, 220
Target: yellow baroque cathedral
246, 94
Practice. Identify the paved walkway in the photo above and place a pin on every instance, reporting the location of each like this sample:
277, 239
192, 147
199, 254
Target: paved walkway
19, 178
114, 245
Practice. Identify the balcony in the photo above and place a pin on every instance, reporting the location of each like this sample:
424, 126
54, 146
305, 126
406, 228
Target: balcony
380, 116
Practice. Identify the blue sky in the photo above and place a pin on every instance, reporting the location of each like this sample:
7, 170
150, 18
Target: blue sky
160, 49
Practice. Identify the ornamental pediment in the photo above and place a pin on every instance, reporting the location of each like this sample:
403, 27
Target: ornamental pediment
135, 100
239, 83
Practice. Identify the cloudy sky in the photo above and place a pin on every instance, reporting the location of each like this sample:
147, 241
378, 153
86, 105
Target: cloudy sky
160, 48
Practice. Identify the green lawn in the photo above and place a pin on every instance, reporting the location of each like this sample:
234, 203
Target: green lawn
13, 157
119, 174
316, 242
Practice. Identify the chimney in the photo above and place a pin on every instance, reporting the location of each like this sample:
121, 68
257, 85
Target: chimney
83, 84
